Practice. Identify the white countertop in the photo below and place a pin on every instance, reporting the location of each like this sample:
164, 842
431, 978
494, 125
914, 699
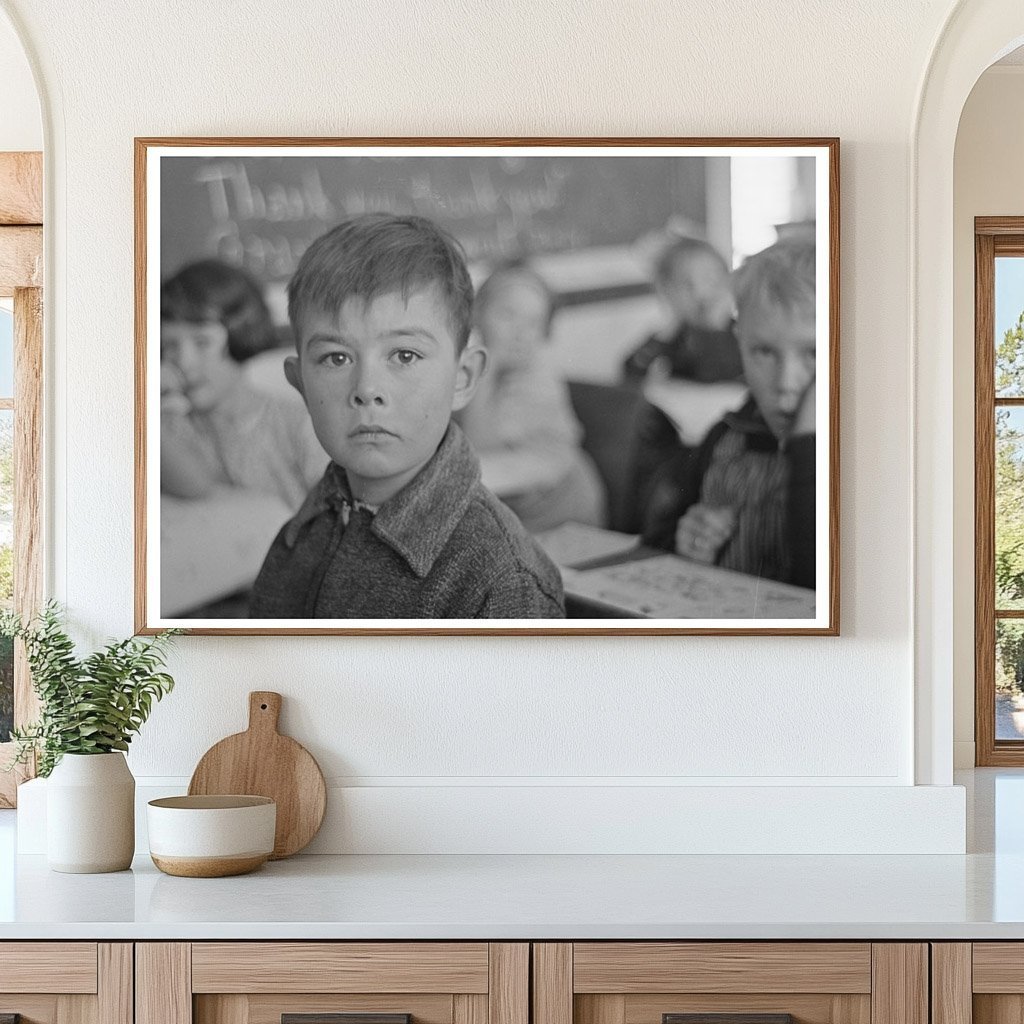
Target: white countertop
976, 896
533, 897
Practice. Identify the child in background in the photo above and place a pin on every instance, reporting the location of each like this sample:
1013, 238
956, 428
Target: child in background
745, 498
216, 429
693, 281
400, 525
520, 422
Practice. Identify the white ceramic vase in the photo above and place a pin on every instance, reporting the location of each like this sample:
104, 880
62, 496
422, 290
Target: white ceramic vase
90, 814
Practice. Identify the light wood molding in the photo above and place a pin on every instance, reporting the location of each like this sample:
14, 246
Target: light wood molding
999, 226
997, 1009
951, 983
226, 1009
21, 188
339, 967
994, 237
552, 983
116, 983
509, 983
51, 1009
984, 502
28, 482
28, 502
722, 967
998, 967
245, 1008
604, 1009
899, 988
469, 1009
21, 259
52, 967
163, 983
807, 1008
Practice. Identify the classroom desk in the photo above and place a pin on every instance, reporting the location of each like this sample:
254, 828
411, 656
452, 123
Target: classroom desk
608, 575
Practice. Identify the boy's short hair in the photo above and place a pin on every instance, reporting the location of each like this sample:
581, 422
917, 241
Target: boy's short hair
512, 269
683, 249
781, 276
377, 253
211, 291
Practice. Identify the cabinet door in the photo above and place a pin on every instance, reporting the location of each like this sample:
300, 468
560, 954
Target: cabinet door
730, 983
66, 982
981, 982
332, 983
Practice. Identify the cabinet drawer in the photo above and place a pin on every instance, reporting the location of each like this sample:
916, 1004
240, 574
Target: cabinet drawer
68, 967
734, 982
306, 982
339, 967
62, 982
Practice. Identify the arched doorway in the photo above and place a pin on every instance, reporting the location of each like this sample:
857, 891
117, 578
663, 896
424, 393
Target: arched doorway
977, 33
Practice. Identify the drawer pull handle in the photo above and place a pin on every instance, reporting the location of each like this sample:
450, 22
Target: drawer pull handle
727, 1018
343, 1018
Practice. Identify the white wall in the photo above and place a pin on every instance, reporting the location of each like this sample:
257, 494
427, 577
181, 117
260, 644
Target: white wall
988, 181
21, 126
436, 713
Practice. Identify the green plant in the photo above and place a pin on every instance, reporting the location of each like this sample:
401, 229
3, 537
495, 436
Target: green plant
89, 705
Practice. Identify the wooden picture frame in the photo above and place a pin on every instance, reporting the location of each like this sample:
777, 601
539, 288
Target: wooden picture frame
581, 210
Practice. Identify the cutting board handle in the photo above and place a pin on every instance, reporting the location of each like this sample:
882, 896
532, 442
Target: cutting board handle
264, 710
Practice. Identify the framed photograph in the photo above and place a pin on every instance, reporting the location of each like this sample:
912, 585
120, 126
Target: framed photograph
487, 386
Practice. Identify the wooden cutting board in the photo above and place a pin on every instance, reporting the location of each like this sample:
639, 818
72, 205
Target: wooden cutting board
262, 762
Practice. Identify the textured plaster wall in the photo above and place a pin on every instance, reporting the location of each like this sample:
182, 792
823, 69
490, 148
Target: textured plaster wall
699, 710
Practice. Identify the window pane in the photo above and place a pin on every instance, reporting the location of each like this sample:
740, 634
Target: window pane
1009, 322
1009, 679
6, 353
1009, 538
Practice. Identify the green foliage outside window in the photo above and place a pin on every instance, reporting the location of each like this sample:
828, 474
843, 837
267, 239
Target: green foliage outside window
1009, 510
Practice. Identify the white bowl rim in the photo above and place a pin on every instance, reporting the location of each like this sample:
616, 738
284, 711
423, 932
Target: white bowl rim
212, 802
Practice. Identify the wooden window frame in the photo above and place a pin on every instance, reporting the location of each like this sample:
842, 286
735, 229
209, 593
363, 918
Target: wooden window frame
21, 278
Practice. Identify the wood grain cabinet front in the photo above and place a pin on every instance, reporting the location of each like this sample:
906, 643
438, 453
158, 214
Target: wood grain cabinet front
66, 982
730, 983
978, 983
332, 983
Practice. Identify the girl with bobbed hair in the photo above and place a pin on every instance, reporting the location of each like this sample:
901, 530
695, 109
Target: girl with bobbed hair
217, 429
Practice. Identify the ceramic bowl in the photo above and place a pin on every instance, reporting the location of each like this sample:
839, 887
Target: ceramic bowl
211, 836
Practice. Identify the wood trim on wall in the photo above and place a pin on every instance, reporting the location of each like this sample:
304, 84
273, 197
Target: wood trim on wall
994, 237
21, 188
21, 276
984, 501
21, 258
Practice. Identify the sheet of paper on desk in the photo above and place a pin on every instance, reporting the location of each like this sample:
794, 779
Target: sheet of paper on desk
669, 587
576, 544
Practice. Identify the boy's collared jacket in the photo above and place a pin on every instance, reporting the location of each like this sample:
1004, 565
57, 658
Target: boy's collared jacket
443, 547
771, 486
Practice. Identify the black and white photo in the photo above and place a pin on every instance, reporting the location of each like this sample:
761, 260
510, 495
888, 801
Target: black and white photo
461, 387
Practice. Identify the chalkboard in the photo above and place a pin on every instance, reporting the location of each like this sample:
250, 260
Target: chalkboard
261, 212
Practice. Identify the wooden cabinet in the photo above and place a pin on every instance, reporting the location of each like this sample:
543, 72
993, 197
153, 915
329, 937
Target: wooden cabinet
977, 983
510, 983
680, 982
66, 982
263, 982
